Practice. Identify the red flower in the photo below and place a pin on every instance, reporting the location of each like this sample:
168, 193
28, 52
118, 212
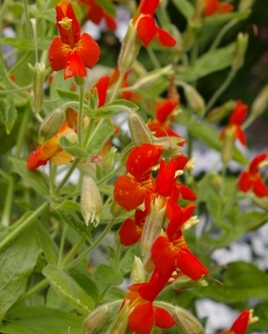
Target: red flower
217, 7
241, 324
96, 13
170, 251
164, 113
130, 191
252, 179
236, 120
71, 51
144, 315
102, 87
146, 26
131, 229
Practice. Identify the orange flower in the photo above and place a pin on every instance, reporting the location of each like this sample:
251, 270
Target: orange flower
71, 51
216, 7
96, 13
147, 29
170, 251
236, 120
252, 179
144, 315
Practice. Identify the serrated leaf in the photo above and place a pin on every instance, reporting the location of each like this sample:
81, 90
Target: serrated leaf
17, 262
47, 244
40, 320
69, 289
106, 274
35, 179
242, 281
185, 7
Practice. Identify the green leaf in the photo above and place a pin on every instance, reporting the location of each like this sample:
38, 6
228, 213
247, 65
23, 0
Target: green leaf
105, 127
40, 320
69, 289
67, 95
77, 224
185, 7
17, 262
66, 204
107, 6
207, 135
71, 148
47, 244
220, 19
112, 108
106, 274
214, 61
8, 113
35, 179
261, 311
242, 281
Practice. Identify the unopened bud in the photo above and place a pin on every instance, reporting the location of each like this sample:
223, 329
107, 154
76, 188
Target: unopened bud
152, 226
129, 49
91, 202
140, 133
240, 50
101, 317
219, 113
116, 209
109, 160
260, 103
120, 323
245, 4
194, 99
138, 273
185, 321
216, 181
38, 85
227, 147
50, 125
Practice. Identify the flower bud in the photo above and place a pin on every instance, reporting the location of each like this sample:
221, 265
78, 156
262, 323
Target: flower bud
219, 113
194, 99
227, 147
260, 103
245, 4
138, 273
185, 282
109, 160
129, 49
240, 50
101, 317
152, 226
38, 85
120, 324
50, 125
185, 321
91, 202
116, 209
140, 133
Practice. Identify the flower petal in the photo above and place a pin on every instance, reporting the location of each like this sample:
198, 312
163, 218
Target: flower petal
146, 29
88, 50
190, 265
241, 323
74, 66
254, 165
259, 188
244, 182
148, 7
57, 54
164, 38
163, 319
141, 319
129, 232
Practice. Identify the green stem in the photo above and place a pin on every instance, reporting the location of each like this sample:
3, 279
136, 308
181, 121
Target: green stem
221, 89
94, 245
8, 202
72, 252
88, 133
23, 225
27, 19
62, 241
41, 285
67, 175
22, 131
80, 115
248, 122
153, 57
118, 85
221, 34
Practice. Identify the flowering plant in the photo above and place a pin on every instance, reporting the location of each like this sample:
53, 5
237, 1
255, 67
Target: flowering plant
106, 225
